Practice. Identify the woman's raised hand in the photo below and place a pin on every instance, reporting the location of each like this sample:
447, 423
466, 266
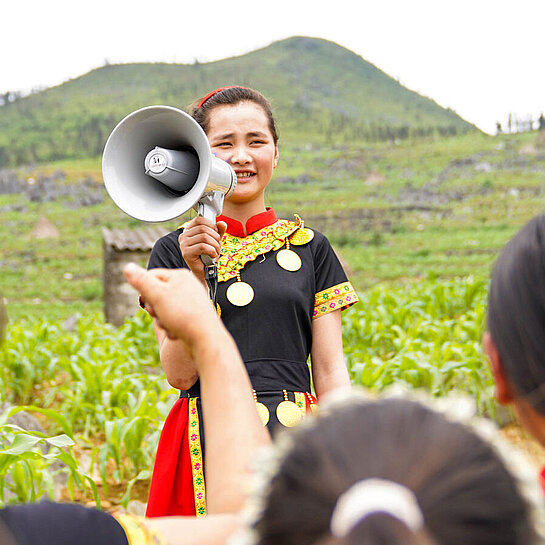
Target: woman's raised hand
201, 237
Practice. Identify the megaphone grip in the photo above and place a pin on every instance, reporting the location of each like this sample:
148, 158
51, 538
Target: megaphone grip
211, 277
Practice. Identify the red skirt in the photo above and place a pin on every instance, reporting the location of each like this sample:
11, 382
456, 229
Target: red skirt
177, 484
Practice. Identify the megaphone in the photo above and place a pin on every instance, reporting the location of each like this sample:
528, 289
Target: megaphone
157, 165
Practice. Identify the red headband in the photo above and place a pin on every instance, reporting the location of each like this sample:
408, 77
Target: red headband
212, 93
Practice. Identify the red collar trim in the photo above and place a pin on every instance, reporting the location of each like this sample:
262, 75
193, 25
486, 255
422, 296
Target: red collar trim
236, 229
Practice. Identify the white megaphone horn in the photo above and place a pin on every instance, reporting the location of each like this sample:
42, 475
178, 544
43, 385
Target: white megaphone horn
157, 165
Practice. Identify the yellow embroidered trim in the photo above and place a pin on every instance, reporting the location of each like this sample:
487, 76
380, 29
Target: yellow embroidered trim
337, 297
300, 401
137, 532
195, 452
236, 251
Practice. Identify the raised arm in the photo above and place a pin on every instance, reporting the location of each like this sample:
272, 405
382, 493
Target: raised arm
234, 433
200, 236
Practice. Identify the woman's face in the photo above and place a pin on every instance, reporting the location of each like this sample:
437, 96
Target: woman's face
240, 135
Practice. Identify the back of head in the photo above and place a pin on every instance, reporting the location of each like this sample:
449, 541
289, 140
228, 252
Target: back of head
516, 311
444, 485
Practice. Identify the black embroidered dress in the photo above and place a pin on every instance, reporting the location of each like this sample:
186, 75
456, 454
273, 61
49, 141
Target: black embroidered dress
273, 332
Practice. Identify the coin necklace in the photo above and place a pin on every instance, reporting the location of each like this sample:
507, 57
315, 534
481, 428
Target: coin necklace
303, 235
240, 293
288, 259
288, 413
262, 410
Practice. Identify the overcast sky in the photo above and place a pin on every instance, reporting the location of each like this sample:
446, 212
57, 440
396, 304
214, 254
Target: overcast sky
482, 58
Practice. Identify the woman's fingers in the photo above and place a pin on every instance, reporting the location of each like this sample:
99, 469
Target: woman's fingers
194, 246
201, 237
221, 227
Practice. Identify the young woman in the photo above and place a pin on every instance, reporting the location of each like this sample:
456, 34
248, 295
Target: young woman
280, 294
514, 341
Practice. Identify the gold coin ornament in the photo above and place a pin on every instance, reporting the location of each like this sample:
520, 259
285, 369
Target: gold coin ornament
288, 413
263, 413
302, 236
262, 410
288, 260
240, 294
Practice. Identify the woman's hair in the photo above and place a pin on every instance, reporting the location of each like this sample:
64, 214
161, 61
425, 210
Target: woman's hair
461, 487
516, 311
231, 96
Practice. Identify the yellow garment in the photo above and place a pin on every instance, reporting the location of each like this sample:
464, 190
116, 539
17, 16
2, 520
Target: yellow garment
137, 532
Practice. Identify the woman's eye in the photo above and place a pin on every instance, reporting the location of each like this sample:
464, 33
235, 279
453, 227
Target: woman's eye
222, 144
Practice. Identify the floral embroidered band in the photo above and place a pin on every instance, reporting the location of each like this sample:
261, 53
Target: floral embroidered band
337, 297
236, 252
195, 452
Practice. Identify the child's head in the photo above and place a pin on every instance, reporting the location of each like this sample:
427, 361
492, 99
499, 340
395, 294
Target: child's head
407, 476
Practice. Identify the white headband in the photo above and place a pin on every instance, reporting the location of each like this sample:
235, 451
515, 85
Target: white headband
375, 496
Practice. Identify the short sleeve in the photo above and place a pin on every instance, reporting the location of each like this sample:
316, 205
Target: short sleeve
333, 289
166, 253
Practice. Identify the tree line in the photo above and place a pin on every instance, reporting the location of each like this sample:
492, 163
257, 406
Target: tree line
515, 124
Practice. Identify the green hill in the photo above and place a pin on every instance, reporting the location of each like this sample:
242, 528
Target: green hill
318, 89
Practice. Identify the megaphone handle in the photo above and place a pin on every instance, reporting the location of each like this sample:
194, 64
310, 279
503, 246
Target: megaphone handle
211, 277
209, 207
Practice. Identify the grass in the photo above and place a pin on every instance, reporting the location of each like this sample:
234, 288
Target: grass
393, 212
418, 224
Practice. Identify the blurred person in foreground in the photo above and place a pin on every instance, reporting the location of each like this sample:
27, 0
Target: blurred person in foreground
453, 482
406, 473
515, 337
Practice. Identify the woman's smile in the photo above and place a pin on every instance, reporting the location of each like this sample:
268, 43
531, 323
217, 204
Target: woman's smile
244, 176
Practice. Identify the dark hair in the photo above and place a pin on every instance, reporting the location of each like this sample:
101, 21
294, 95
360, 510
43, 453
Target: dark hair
231, 96
464, 491
516, 311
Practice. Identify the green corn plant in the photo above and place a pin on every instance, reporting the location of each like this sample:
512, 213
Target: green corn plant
29, 461
422, 335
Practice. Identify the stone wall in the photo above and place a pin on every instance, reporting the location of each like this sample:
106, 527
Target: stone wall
120, 299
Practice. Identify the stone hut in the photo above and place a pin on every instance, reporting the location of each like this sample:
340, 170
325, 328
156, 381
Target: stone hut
121, 246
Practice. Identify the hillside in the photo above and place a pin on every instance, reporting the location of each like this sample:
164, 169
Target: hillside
394, 212
317, 88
